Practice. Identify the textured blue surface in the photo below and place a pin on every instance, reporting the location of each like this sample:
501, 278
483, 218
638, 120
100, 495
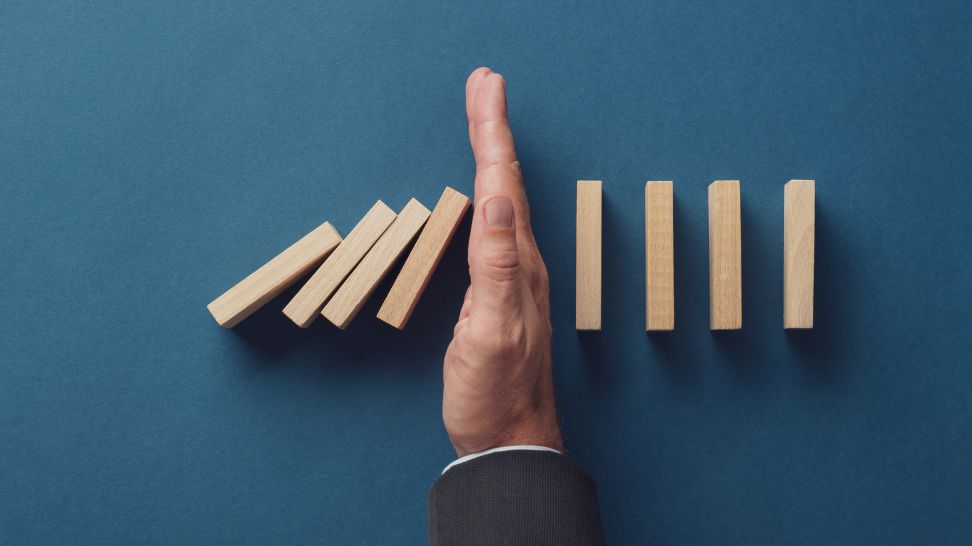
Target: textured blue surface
152, 153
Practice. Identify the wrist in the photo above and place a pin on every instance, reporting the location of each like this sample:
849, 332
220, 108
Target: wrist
543, 433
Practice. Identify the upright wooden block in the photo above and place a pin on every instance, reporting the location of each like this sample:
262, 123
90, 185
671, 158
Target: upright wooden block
347, 301
305, 306
659, 256
424, 258
588, 255
798, 238
725, 256
265, 283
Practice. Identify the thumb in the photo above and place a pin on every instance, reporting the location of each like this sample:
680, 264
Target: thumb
494, 263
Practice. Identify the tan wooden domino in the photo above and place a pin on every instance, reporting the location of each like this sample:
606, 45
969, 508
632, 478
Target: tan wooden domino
349, 299
588, 266
268, 281
798, 253
725, 256
659, 256
305, 306
423, 259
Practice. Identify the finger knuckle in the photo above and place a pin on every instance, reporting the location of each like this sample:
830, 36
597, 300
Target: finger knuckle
502, 264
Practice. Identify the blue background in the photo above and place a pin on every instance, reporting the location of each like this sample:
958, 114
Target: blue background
153, 153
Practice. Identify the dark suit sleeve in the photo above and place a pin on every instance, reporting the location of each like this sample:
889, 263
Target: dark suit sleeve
515, 497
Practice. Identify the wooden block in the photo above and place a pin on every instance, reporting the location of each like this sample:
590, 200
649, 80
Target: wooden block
424, 258
798, 234
365, 278
588, 255
659, 256
725, 256
265, 283
305, 306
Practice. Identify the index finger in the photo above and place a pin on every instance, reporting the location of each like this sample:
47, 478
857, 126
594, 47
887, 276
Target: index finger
472, 86
493, 144
497, 170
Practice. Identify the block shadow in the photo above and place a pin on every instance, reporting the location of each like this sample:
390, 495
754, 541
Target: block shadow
827, 351
762, 270
616, 286
673, 350
269, 335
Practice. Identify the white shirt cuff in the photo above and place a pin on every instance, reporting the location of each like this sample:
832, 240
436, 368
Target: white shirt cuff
472, 456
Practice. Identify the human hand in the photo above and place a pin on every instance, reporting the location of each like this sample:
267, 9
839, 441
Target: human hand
497, 375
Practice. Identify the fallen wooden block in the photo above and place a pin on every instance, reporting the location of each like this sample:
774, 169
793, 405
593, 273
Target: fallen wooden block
798, 239
305, 306
588, 301
347, 301
265, 283
659, 256
423, 259
725, 256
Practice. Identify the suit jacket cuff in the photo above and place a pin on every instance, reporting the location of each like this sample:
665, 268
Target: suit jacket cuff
515, 497
478, 454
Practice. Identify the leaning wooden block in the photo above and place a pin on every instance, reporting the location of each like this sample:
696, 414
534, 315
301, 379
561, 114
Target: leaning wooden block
305, 306
424, 258
798, 238
265, 283
365, 278
588, 301
659, 256
725, 256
